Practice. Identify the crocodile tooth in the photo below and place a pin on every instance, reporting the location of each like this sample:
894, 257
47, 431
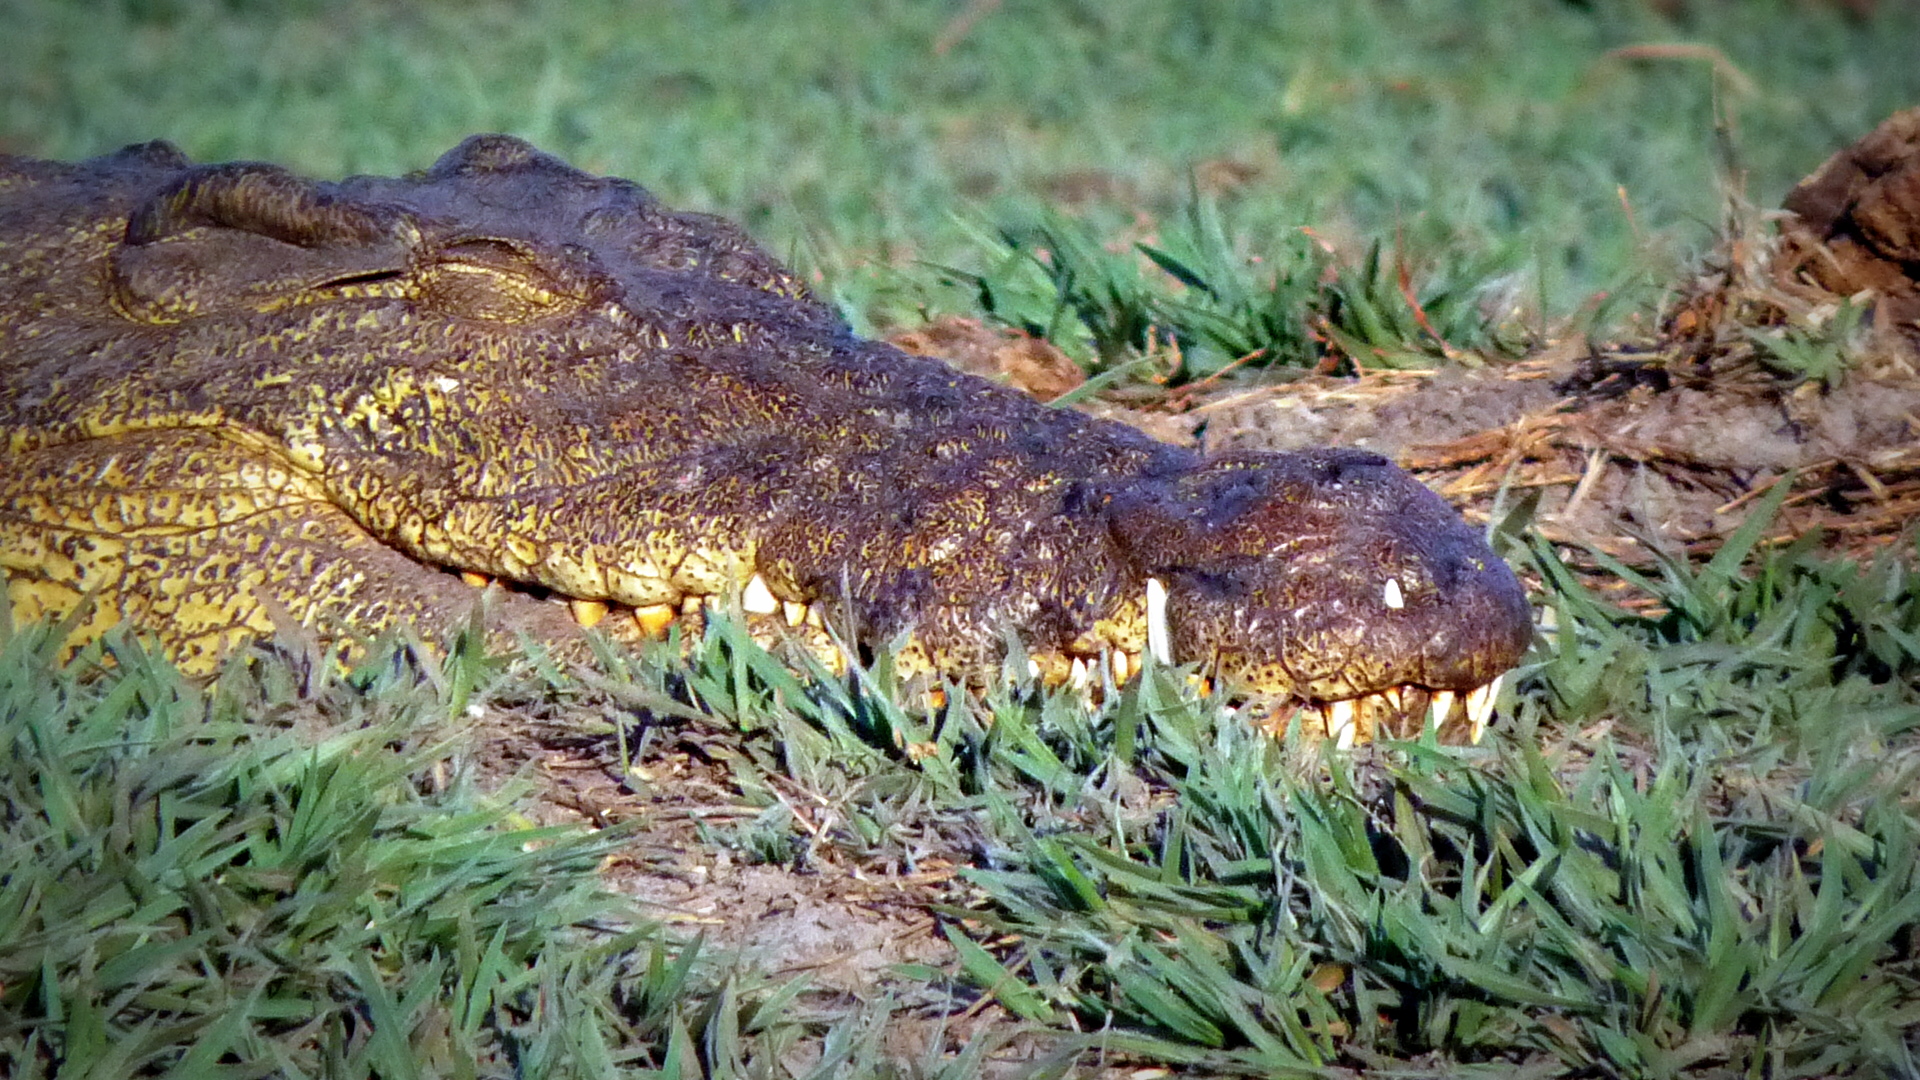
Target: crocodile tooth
757, 598
1391, 596
690, 605
1340, 725
478, 581
1441, 707
1158, 639
654, 619
1077, 675
1123, 665
1395, 698
1480, 709
1033, 668
588, 613
795, 612
815, 617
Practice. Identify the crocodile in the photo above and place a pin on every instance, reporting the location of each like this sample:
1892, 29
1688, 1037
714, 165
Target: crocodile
232, 397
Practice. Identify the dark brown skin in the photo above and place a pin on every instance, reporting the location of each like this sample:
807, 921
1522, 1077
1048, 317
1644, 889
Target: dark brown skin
508, 367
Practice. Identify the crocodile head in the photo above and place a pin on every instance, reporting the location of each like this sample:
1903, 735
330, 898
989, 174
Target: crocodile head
228, 391
1330, 577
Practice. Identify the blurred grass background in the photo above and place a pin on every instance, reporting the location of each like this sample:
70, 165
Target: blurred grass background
1567, 142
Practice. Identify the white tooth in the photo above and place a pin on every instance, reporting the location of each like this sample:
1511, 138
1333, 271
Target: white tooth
1033, 668
1480, 709
757, 599
1078, 678
1340, 724
1159, 641
1394, 698
796, 612
1390, 595
1440, 707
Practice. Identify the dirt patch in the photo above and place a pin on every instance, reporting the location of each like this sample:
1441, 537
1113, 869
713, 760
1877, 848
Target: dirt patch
1022, 361
1396, 413
1856, 223
1624, 451
815, 913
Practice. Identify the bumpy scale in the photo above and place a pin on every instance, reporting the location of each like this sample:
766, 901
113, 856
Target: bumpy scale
229, 395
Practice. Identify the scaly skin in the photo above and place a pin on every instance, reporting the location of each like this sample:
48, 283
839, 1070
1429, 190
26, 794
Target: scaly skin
230, 395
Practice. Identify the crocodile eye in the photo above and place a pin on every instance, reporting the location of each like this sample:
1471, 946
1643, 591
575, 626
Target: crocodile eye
501, 280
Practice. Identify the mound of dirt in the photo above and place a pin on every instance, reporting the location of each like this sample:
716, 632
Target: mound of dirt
1856, 223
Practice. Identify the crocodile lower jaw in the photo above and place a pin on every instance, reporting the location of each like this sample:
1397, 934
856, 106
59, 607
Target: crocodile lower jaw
1401, 710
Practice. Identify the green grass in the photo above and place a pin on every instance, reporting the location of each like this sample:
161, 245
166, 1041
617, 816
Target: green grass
293, 873
1689, 850
1507, 132
1190, 307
